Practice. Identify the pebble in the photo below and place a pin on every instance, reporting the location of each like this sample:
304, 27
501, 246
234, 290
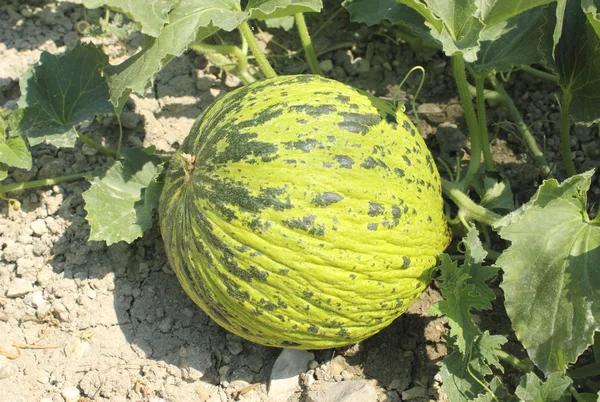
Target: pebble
326, 66
414, 393
345, 391
71, 394
19, 287
39, 227
286, 372
205, 83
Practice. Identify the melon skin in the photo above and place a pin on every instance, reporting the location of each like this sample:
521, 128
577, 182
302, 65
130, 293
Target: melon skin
301, 212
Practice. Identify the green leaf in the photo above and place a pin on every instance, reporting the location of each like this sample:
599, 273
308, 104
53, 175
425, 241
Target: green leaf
462, 375
577, 57
122, 197
464, 288
372, 12
551, 270
190, 21
532, 389
61, 92
521, 40
265, 9
14, 152
493, 12
591, 12
285, 23
3, 128
3, 172
453, 23
151, 16
494, 191
497, 392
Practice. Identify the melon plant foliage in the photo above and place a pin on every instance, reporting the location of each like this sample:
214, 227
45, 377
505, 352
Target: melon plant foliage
247, 204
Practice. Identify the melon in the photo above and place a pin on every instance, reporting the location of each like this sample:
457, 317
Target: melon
301, 212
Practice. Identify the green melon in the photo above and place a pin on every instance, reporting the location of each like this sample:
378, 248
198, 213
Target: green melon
301, 212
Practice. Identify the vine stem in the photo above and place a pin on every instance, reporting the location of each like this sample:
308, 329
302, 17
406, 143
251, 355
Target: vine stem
460, 76
468, 207
91, 143
235, 51
309, 50
539, 73
565, 132
262, 61
481, 118
525, 366
538, 156
42, 183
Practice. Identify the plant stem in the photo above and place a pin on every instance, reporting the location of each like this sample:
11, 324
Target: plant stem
565, 132
539, 73
538, 156
241, 57
262, 61
90, 142
483, 133
309, 50
467, 206
41, 183
460, 76
526, 366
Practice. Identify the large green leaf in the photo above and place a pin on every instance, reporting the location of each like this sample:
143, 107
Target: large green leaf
372, 12
521, 40
532, 389
492, 12
577, 57
453, 23
122, 197
551, 269
61, 92
265, 9
190, 21
151, 15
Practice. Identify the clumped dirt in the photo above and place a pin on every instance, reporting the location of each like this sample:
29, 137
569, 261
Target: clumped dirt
80, 321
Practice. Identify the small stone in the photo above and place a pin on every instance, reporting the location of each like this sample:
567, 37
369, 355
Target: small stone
44, 276
19, 287
414, 393
360, 65
286, 371
91, 294
130, 120
223, 370
326, 66
205, 83
71, 394
432, 112
345, 391
235, 347
197, 362
89, 151
39, 227
7, 368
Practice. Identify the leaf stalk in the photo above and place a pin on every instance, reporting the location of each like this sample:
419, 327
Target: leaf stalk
468, 208
460, 76
309, 50
262, 61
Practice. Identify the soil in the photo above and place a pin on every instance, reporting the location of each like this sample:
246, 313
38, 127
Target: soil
82, 321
